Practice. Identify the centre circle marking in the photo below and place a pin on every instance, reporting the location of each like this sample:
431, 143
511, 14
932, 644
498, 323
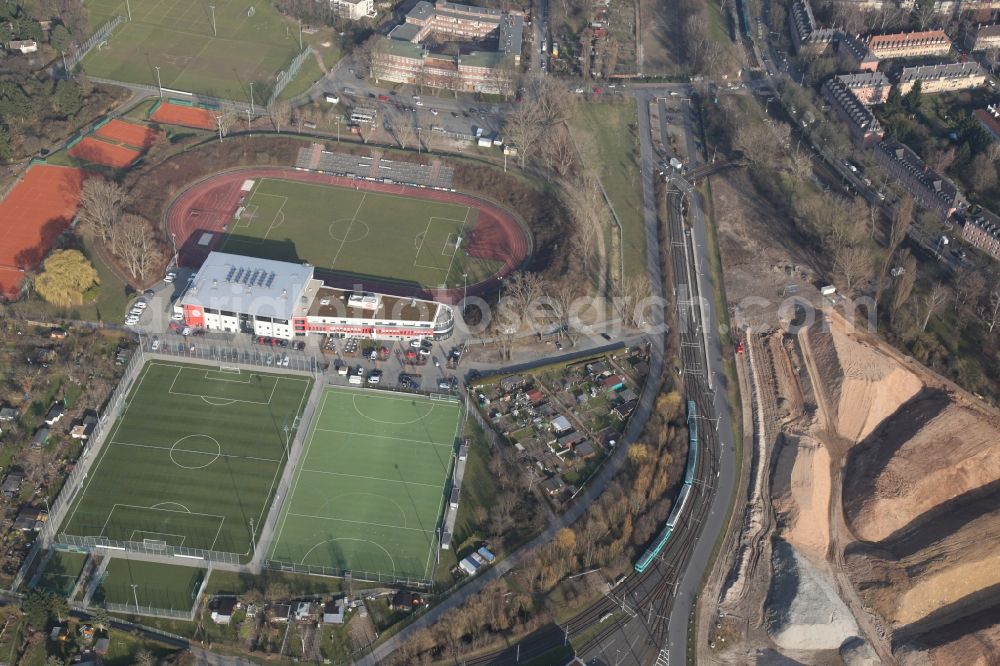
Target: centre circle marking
177, 448
349, 230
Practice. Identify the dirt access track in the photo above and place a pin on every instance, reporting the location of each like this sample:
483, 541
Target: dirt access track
209, 204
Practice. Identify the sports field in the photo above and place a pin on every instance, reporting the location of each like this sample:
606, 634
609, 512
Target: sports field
252, 45
32, 215
370, 487
157, 585
193, 460
358, 233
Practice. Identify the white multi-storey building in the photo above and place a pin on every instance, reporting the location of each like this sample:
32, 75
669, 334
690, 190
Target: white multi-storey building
279, 299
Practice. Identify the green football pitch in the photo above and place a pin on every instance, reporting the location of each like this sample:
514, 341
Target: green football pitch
358, 233
193, 459
160, 586
370, 487
252, 46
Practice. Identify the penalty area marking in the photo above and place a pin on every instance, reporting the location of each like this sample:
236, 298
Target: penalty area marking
374, 543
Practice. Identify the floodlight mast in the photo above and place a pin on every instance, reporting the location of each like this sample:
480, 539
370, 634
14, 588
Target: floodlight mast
214, 31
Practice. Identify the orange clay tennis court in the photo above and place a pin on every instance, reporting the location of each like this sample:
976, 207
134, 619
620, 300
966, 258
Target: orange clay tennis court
188, 116
129, 134
97, 151
32, 216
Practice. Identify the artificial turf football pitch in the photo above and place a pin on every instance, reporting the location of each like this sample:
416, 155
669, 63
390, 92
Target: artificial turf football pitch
359, 233
193, 459
177, 36
370, 486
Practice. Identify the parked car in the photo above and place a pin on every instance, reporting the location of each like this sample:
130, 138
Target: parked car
155, 344
375, 377
170, 277
177, 316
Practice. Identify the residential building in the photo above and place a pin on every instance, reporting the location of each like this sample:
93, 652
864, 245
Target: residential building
989, 118
864, 127
402, 57
982, 37
280, 299
942, 78
354, 10
930, 189
983, 232
869, 87
807, 37
23, 46
333, 611
12, 484
553, 485
55, 413
85, 427
8, 414
910, 44
40, 438
403, 600
858, 54
223, 612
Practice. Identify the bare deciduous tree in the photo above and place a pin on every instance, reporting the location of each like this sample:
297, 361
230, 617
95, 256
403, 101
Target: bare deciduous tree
101, 205
135, 244
932, 301
280, 113
989, 312
854, 263
904, 283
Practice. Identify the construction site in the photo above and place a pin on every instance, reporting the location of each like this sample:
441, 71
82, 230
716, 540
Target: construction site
869, 506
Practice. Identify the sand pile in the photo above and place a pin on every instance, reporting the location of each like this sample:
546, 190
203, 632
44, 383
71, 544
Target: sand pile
930, 451
801, 495
932, 575
862, 385
803, 609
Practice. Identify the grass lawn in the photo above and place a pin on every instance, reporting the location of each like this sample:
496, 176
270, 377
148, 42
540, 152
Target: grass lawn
612, 127
307, 75
192, 460
62, 571
157, 585
177, 36
358, 233
370, 487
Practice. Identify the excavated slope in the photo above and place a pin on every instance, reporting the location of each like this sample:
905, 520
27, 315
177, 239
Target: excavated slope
862, 385
930, 451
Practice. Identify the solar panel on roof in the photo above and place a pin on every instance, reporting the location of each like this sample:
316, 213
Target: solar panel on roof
229, 277
239, 275
270, 279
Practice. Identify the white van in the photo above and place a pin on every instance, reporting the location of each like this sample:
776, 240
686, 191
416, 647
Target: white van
342, 370
355, 379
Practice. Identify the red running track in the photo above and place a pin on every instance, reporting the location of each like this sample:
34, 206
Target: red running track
208, 205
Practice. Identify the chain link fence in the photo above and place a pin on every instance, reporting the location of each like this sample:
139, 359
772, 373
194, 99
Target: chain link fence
102, 34
61, 504
365, 576
274, 358
285, 77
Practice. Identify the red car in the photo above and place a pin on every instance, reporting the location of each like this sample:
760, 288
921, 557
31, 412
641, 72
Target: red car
383, 98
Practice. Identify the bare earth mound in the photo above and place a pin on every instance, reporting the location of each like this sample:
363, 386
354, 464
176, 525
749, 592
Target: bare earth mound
915, 579
801, 493
929, 452
862, 385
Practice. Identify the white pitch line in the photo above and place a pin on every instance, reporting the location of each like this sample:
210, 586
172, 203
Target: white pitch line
360, 522
398, 439
373, 478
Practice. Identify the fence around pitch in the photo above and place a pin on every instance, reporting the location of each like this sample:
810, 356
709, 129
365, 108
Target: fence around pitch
74, 58
332, 572
285, 77
66, 497
109, 546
